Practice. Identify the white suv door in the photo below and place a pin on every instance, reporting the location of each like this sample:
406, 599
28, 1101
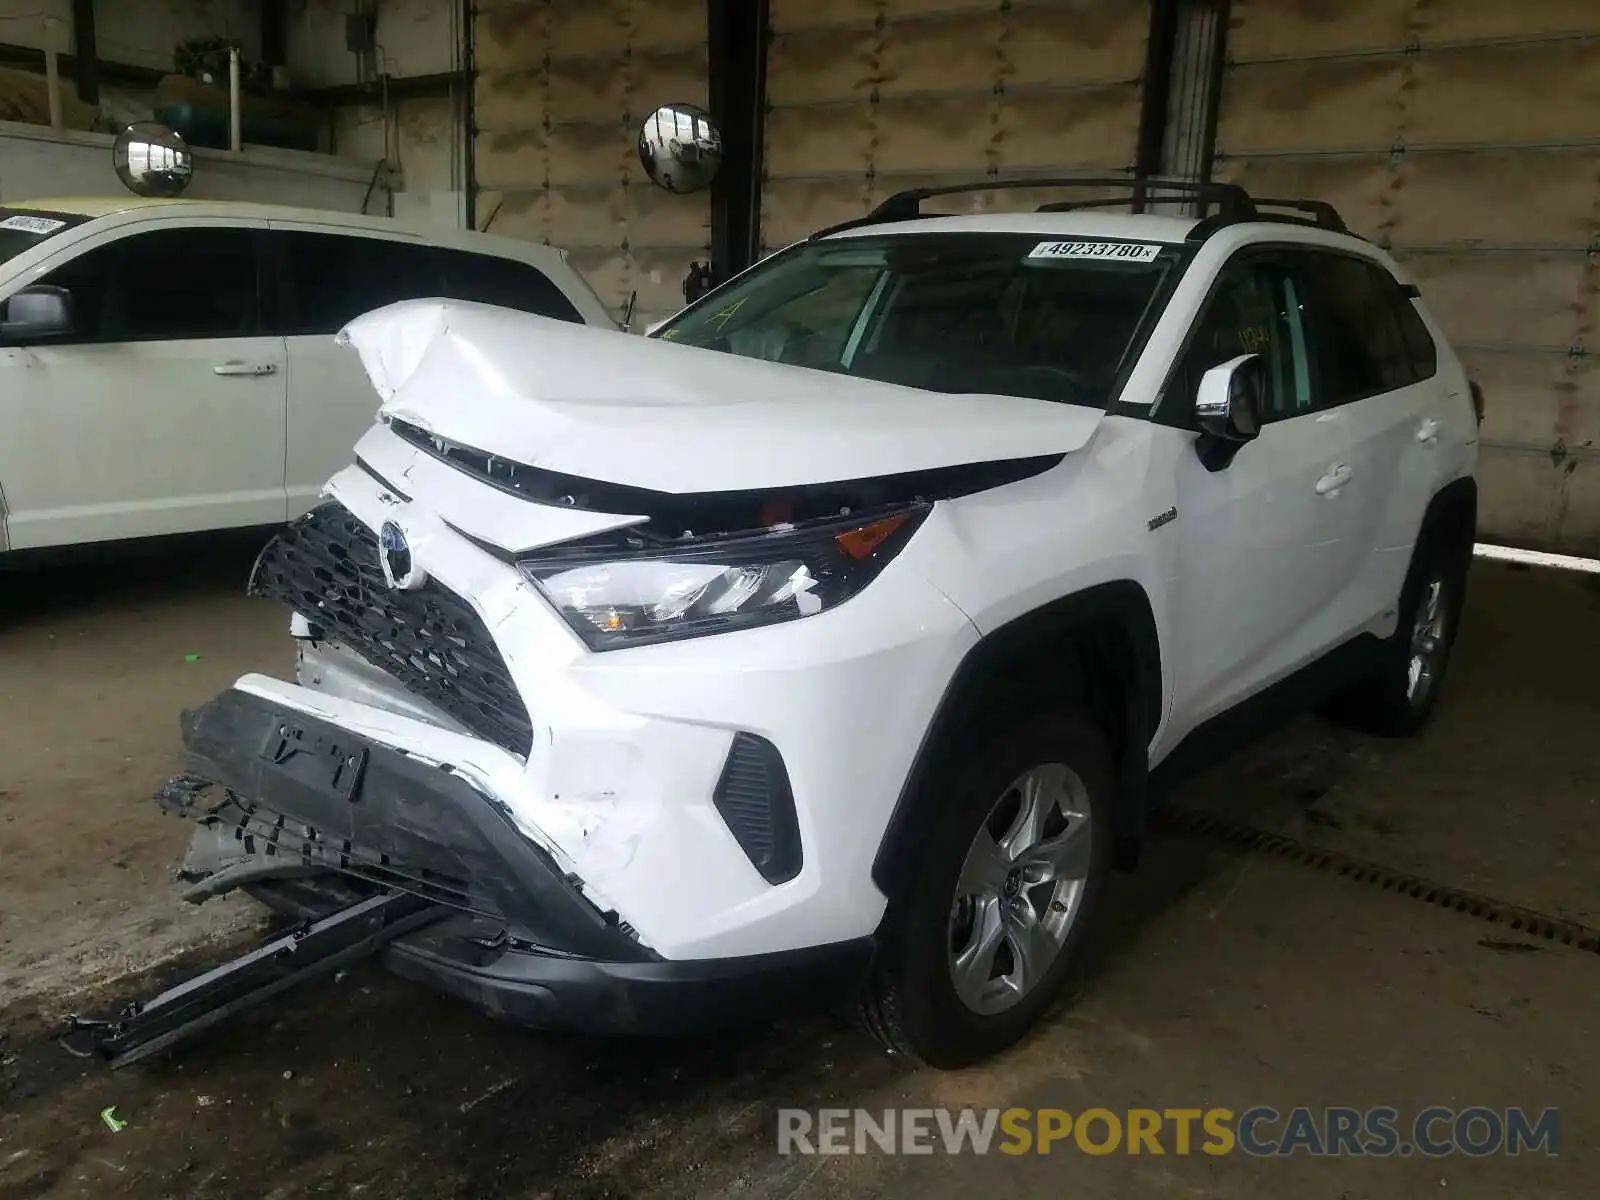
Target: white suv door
1382, 368
1265, 548
326, 276
163, 410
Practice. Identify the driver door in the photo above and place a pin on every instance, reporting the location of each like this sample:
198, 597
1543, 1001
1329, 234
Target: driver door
1267, 544
163, 409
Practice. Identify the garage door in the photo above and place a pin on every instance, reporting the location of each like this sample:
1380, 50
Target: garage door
563, 86
1465, 135
870, 96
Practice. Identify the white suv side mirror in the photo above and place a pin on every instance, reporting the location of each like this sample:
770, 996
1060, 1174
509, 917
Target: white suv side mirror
1228, 408
36, 313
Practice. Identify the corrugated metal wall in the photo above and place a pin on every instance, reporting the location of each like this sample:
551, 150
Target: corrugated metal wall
1466, 135
563, 86
871, 96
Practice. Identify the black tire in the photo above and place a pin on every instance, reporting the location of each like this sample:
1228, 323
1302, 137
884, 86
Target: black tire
1385, 703
911, 1004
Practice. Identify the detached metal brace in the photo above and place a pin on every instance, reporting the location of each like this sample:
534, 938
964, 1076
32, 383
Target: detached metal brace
316, 948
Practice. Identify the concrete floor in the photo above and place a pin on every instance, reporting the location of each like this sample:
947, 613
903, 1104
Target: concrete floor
1224, 978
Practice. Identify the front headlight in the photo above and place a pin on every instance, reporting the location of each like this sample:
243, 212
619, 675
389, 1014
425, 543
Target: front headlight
614, 598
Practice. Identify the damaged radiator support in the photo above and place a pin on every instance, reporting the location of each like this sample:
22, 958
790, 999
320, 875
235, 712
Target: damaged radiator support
313, 949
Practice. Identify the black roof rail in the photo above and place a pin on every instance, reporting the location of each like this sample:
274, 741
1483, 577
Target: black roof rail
1321, 215
1233, 203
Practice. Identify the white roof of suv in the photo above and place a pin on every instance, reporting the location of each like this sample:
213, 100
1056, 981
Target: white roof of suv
96, 207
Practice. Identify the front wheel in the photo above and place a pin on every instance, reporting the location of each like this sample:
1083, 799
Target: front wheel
1015, 854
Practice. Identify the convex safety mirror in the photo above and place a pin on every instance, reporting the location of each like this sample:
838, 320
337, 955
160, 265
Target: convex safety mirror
152, 160
680, 148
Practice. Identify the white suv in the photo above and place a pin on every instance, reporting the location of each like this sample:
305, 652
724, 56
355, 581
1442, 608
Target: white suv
836, 641
168, 366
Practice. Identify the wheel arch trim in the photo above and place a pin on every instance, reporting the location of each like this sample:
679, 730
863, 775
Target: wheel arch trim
1124, 602
1458, 496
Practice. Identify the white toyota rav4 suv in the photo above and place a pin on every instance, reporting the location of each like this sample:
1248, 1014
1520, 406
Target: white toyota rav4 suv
836, 641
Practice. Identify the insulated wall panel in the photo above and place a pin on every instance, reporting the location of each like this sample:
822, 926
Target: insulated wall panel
1465, 136
563, 86
868, 97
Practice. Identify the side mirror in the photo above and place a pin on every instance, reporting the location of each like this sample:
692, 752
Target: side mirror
1228, 408
36, 313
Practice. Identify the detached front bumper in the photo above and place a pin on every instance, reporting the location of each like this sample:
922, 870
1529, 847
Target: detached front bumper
310, 817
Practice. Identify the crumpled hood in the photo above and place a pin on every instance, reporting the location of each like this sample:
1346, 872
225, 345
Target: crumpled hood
620, 408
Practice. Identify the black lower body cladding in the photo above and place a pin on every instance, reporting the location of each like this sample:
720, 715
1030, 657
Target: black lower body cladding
347, 817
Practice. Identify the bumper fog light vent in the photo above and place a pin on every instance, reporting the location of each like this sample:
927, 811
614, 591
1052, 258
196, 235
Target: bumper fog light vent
755, 799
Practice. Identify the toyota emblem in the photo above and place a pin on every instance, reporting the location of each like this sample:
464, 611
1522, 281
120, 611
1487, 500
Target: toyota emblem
400, 570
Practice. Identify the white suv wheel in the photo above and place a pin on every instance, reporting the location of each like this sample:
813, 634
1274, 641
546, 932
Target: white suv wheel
1020, 889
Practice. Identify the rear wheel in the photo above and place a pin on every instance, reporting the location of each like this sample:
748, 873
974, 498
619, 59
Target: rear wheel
1015, 855
1398, 698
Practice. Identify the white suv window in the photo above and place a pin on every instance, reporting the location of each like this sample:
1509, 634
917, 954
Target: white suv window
164, 285
1373, 340
327, 279
1256, 308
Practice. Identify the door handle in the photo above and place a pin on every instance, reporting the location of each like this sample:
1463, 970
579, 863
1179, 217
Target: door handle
1335, 479
243, 368
1428, 429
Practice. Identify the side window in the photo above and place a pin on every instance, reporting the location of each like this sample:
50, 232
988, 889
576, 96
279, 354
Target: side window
165, 285
1362, 339
1256, 308
1423, 353
504, 282
326, 280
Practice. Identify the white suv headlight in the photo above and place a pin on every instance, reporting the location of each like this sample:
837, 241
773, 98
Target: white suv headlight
616, 596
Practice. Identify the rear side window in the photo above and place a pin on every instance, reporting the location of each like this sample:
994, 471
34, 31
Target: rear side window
1419, 342
505, 282
165, 285
1371, 338
326, 280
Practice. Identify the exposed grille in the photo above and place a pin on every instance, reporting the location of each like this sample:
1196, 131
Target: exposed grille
325, 566
756, 801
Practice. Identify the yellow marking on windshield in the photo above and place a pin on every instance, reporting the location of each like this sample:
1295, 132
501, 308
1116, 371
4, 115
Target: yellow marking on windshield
722, 318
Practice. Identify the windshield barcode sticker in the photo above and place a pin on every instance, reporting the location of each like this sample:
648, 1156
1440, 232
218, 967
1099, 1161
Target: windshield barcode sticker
1136, 252
32, 224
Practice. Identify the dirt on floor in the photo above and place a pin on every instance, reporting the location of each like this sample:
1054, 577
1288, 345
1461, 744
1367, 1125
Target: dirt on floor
97, 662
1222, 978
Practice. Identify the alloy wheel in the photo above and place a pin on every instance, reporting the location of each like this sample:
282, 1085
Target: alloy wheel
1020, 888
1427, 643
